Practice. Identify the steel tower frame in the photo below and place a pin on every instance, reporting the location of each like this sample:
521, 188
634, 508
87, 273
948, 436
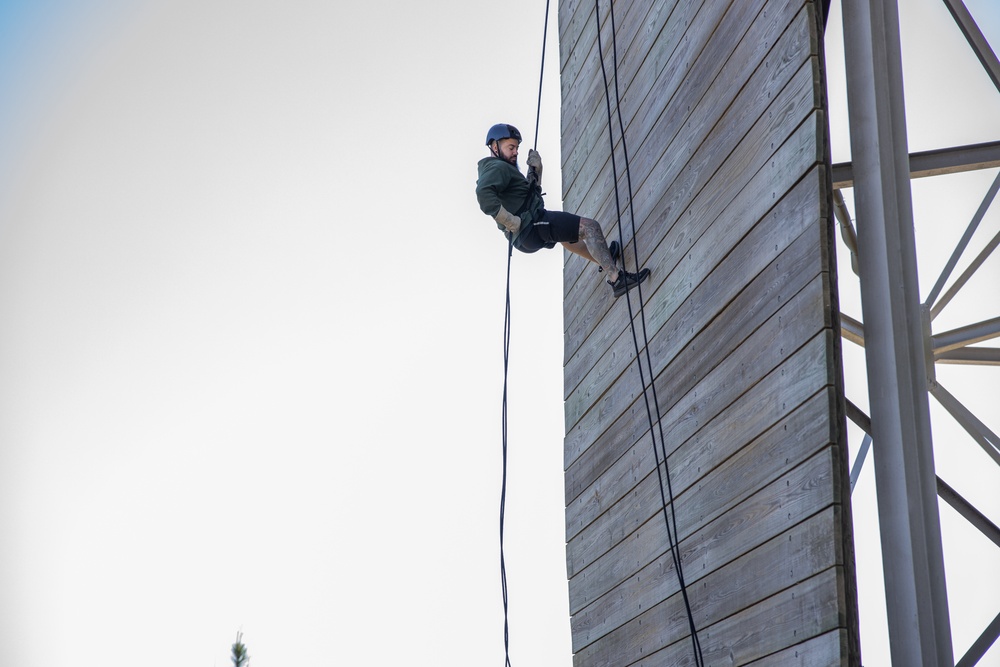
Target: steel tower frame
901, 345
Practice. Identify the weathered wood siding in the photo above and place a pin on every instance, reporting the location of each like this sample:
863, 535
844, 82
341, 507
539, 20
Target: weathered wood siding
723, 103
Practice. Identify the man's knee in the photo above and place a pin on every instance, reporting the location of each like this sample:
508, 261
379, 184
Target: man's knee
589, 228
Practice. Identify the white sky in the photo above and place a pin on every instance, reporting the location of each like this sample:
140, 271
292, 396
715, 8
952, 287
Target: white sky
250, 333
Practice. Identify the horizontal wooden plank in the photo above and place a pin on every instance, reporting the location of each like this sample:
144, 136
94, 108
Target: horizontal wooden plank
649, 543
643, 604
734, 168
621, 453
777, 394
723, 106
809, 609
673, 51
685, 214
578, 30
673, 345
755, 513
681, 130
581, 80
709, 266
640, 27
677, 132
694, 227
830, 649
764, 350
653, 117
677, 38
693, 264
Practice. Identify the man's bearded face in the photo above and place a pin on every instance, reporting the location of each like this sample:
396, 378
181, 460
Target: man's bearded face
507, 150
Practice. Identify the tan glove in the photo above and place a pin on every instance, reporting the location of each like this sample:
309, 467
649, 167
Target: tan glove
535, 162
507, 220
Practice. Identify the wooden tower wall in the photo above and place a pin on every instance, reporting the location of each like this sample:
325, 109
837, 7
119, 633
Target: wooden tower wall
723, 102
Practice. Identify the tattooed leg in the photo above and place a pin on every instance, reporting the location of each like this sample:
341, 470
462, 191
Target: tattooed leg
594, 247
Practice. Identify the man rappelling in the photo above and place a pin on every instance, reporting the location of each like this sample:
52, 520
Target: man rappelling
515, 202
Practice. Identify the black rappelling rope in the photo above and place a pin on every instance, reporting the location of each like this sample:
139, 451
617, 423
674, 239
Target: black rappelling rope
545, 34
660, 456
503, 483
506, 360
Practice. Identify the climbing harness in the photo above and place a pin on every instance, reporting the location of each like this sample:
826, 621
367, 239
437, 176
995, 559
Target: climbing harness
659, 455
506, 360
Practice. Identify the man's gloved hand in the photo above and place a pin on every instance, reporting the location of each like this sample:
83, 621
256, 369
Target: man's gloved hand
535, 162
508, 220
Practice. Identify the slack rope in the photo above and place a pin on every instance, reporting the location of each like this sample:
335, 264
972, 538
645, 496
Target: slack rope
503, 483
506, 362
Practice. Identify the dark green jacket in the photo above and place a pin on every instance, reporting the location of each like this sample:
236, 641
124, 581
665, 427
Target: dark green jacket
500, 182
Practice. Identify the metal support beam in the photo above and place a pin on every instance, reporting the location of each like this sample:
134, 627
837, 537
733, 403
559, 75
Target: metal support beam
990, 530
970, 356
846, 228
980, 45
981, 645
951, 347
859, 460
964, 242
934, 163
856, 415
912, 558
964, 278
967, 335
852, 330
968, 511
979, 431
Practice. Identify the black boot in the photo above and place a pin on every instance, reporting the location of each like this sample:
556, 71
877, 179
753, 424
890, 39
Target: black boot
627, 281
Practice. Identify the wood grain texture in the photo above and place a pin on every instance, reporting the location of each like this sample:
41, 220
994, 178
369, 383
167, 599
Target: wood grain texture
790, 124
762, 352
780, 391
657, 581
766, 250
703, 101
806, 610
736, 587
740, 403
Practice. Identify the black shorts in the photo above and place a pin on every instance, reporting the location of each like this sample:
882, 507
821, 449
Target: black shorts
550, 228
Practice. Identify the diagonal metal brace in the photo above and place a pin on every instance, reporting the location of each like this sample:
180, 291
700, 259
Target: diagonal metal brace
979, 431
980, 45
981, 645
